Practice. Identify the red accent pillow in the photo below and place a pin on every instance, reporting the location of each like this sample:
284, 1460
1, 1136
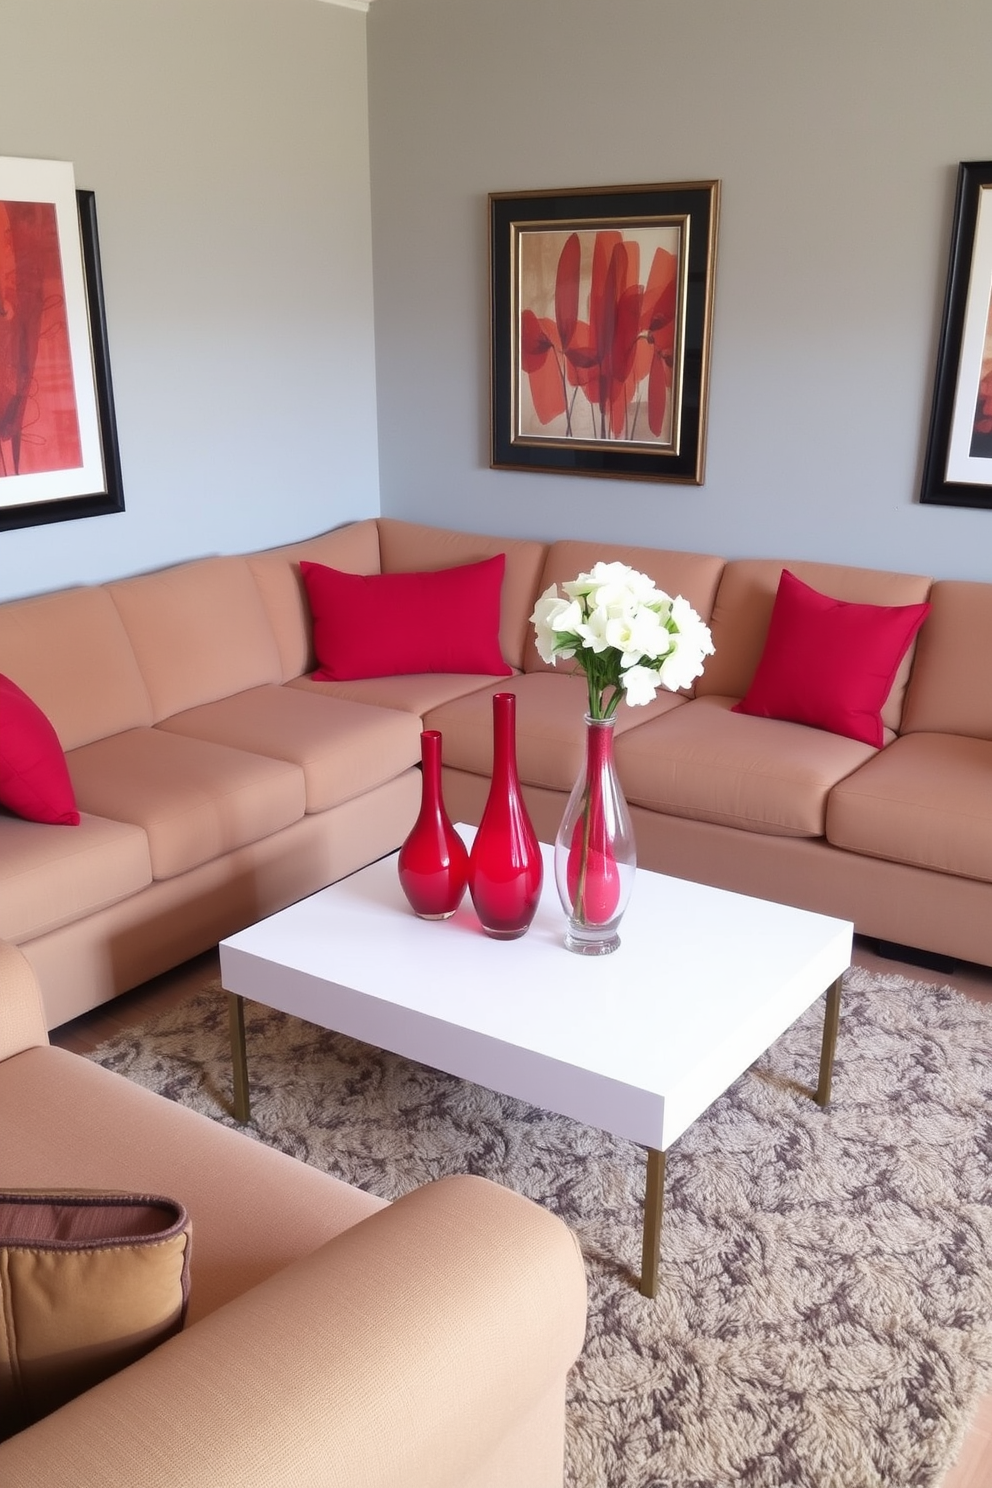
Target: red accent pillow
828, 663
392, 625
34, 777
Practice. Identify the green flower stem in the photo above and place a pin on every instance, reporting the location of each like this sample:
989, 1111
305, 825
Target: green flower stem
602, 673
580, 886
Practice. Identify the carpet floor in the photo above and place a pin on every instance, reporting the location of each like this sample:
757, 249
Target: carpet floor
824, 1317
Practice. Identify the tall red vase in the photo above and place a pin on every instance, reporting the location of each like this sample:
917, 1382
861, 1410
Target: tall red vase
433, 861
505, 867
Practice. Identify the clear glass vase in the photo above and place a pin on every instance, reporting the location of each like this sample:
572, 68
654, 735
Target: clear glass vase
595, 852
505, 868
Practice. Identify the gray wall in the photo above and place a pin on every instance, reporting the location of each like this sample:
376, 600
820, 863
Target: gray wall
227, 144
836, 130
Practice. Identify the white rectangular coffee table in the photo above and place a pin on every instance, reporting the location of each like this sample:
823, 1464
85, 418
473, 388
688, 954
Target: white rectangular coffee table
638, 1043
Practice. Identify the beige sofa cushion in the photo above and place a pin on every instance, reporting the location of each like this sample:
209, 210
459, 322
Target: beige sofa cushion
194, 799
410, 547
693, 575
276, 571
951, 688
550, 733
70, 653
744, 606
415, 694
344, 749
50, 877
925, 800
706, 762
199, 631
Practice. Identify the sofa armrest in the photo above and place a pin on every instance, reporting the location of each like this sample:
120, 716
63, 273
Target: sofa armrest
426, 1345
22, 1013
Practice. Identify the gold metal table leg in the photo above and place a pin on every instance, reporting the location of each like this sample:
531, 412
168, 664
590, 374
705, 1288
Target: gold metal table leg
654, 1202
239, 1056
831, 1022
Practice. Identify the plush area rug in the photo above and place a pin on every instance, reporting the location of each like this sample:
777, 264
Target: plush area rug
825, 1310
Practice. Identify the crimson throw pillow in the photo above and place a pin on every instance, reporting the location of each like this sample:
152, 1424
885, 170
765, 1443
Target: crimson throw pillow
391, 625
829, 663
34, 777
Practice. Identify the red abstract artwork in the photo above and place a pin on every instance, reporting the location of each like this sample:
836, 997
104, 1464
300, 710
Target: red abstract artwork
598, 340
39, 422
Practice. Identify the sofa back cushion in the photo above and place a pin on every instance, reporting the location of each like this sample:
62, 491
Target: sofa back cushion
743, 611
199, 632
70, 653
951, 687
276, 571
406, 547
693, 575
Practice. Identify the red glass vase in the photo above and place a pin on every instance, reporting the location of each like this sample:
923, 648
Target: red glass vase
505, 867
433, 861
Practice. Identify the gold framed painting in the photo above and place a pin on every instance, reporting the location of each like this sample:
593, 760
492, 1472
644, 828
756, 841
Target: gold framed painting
601, 313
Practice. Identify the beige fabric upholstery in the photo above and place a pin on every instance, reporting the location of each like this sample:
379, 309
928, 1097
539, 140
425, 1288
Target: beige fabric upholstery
195, 800
549, 733
50, 647
22, 1014
220, 636
344, 749
199, 631
693, 575
951, 687
353, 549
90, 960
744, 605
51, 877
410, 547
925, 800
756, 773
253, 1209
418, 693
895, 901
426, 1346
332, 1340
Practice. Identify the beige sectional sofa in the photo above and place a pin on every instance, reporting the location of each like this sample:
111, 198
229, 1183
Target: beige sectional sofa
218, 782
332, 1340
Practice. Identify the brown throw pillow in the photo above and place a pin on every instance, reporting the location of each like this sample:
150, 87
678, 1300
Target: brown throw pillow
88, 1283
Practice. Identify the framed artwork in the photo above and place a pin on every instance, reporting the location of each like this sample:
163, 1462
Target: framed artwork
958, 466
602, 306
59, 456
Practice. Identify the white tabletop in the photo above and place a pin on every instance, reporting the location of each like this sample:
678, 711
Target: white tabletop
637, 1043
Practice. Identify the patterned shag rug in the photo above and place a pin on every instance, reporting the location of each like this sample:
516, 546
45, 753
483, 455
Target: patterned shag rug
824, 1317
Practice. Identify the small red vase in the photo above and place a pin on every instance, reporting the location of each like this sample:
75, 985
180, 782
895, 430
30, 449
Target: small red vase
505, 867
433, 861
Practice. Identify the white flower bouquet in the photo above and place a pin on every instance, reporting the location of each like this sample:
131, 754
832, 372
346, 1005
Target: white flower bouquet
629, 637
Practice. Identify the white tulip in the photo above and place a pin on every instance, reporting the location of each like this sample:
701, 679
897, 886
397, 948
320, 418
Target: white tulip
639, 684
553, 619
